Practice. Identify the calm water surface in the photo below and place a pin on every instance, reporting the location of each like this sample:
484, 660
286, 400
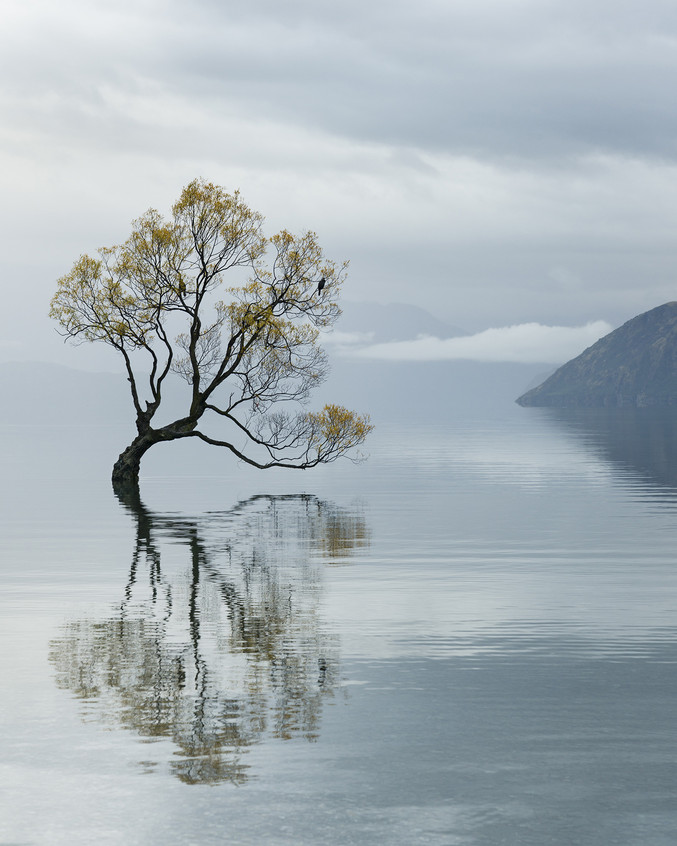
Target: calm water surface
469, 639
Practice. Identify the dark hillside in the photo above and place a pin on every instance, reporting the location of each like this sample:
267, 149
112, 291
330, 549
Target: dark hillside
633, 366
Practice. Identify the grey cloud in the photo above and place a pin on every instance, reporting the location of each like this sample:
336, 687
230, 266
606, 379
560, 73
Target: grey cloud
490, 79
495, 161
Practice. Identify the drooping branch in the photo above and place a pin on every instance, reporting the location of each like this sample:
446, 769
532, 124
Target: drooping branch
300, 441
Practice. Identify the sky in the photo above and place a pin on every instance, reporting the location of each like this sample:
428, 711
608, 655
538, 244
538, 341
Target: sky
509, 166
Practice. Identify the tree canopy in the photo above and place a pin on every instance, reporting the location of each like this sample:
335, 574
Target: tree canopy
248, 350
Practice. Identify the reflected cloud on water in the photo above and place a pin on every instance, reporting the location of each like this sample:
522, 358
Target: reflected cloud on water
218, 641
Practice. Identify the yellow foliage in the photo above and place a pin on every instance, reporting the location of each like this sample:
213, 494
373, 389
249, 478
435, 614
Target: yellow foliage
338, 429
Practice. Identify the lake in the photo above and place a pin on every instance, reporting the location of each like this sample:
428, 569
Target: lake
468, 639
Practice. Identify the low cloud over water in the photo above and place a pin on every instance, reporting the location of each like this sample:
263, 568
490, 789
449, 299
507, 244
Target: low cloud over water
525, 342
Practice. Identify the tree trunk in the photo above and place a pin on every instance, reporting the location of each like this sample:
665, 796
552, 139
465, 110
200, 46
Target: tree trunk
126, 469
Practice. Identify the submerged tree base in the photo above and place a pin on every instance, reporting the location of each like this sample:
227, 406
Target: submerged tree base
125, 476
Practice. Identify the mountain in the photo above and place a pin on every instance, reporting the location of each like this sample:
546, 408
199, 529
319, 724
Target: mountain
633, 366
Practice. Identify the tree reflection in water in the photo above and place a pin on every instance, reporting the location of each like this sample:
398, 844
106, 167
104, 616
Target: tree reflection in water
223, 649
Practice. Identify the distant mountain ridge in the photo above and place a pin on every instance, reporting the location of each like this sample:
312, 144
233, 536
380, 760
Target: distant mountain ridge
42, 392
633, 366
385, 322
54, 394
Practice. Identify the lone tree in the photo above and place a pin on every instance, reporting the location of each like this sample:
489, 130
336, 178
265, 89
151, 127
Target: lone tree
250, 357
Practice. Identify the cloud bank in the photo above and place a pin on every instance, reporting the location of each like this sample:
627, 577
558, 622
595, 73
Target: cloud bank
524, 343
507, 160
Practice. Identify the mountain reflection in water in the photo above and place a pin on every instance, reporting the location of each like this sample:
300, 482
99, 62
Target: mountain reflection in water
218, 641
639, 440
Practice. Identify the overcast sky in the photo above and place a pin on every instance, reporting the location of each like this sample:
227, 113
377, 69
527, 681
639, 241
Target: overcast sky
500, 163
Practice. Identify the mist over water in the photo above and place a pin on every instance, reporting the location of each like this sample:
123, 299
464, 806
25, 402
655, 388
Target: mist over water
470, 638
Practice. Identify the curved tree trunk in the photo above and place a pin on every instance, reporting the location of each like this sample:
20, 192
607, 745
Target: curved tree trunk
125, 476
126, 469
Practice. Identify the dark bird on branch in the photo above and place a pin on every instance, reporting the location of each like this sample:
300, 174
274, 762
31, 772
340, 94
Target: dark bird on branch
321, 284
